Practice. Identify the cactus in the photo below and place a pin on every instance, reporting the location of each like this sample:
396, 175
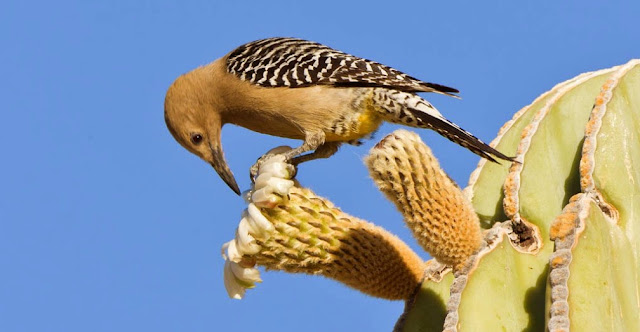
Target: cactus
551, 241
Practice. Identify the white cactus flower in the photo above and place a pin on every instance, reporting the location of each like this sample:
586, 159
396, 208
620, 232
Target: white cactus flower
272, 183
245, 243
263, 198
230, 251
271, 186
260, 223
234, 289
248, 275
277, 167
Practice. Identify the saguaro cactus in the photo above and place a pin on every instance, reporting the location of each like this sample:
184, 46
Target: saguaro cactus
549, 242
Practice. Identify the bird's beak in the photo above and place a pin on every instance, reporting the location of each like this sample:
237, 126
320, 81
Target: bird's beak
220, 165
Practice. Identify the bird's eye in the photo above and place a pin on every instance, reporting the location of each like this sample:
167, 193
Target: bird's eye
196, 139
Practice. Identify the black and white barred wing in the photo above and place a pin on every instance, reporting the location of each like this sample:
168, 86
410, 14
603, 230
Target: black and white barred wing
294, 63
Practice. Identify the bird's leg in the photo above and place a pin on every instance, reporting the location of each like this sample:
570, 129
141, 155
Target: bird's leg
325, 150
311, 142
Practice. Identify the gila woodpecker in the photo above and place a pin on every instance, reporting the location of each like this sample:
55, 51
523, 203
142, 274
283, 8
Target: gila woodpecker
300, 89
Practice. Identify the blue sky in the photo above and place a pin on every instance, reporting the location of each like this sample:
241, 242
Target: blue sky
107, 224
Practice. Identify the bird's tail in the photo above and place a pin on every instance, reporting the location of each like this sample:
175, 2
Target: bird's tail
441, 89
410, 109
459, 136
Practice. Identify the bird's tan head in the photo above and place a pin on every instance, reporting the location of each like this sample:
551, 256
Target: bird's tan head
193, 118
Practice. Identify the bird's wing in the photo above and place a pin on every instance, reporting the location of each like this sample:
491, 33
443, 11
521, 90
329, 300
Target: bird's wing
294, 63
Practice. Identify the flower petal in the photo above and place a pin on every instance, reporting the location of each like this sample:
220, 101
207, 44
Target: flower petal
279, 185
223, 250
264, 198
234, 289
232, 251
245, 243
246, 274
260, 221
262, 180
277, 168
253, 228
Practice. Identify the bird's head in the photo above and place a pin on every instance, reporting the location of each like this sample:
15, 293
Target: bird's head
194, 119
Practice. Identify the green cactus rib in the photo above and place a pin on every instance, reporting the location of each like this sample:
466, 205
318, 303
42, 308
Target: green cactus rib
504, 287
593, 285
485, 182
603, 298
550, 149
599, 228
615, 163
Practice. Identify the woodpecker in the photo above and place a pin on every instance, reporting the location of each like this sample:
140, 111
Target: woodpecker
300, 89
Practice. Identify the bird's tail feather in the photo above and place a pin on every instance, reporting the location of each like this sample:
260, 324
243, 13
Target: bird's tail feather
410, 109
441, 89
458, 135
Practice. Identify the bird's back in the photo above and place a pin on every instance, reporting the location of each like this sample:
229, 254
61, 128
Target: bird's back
296, 63
309, 88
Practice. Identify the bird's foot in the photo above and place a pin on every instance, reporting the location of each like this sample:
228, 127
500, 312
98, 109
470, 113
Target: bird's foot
272, 179
280, 154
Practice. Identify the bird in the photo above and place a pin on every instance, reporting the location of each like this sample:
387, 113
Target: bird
300, 89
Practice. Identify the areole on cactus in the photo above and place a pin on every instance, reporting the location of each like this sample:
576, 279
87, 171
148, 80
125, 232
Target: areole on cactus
549, 242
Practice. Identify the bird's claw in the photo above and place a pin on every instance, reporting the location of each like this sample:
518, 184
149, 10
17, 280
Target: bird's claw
253, 171
272, 180
278, 153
